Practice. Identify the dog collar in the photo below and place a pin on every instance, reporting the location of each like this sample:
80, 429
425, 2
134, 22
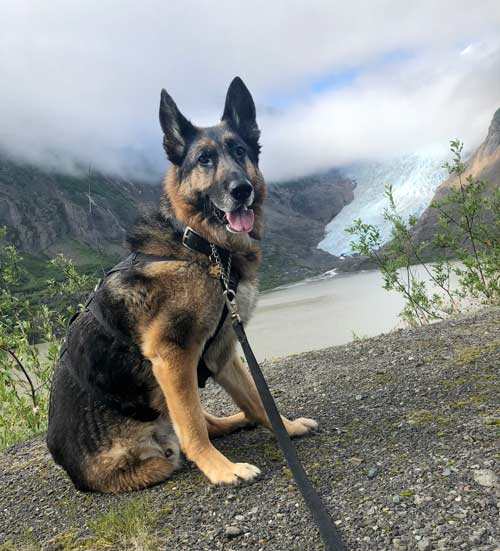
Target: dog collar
197, 243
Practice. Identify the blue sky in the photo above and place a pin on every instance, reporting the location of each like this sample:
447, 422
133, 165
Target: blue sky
334, 82
337, 78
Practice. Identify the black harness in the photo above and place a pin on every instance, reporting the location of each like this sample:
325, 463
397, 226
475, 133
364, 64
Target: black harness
192, 241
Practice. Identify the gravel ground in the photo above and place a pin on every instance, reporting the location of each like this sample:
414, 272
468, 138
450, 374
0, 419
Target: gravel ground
407, 456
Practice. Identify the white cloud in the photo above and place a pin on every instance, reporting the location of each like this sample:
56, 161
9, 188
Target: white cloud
80, 81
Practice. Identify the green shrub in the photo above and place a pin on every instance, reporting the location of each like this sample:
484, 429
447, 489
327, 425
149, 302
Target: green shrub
29, 342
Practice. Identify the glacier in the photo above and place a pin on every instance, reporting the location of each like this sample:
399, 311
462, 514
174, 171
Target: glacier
414, 179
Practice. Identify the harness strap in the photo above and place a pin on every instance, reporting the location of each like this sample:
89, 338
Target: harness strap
327, 529
203, 372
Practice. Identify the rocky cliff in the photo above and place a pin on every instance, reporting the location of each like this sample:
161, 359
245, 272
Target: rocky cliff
45, 212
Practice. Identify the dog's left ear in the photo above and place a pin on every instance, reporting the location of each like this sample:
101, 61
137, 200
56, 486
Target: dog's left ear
239, 113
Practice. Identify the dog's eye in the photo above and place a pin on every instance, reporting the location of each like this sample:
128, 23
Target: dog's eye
204, 159
239, 151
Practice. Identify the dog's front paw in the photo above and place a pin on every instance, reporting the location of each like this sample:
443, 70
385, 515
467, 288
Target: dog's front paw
236, 473
300, 426
220, 471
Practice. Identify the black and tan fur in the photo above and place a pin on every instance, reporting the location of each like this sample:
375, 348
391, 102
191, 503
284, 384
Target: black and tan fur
168, 310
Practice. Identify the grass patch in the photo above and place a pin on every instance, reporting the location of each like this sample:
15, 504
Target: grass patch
459, 381
271, 451
426, 416
406, 493
493, 422
474, 400
128, 527
468, 355
23, 543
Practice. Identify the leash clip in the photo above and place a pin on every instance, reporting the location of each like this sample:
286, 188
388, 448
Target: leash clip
230, 297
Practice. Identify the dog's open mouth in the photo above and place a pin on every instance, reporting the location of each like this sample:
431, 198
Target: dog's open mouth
240, 220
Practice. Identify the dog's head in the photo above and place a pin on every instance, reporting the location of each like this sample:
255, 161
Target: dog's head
214, 184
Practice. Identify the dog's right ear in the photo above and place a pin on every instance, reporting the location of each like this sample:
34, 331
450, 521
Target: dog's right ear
177, 130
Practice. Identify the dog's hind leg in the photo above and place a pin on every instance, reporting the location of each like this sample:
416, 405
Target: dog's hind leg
237, 382
218, 426
140, 455
148, 472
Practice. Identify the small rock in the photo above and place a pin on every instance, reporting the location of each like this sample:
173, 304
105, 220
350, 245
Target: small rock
446, 472
423, 544
486, 477
418, 500
441, 544
372, 472
233, 531
355, 461
359, 397
396, 499
477, 536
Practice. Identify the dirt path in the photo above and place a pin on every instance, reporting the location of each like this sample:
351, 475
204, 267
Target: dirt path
407, 457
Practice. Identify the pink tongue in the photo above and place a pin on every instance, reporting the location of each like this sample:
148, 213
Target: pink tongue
240, 220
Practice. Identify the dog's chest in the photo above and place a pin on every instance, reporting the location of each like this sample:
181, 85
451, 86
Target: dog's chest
221, 349
246, 299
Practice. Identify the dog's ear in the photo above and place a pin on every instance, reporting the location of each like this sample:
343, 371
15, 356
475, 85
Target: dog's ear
177, 130
239, 113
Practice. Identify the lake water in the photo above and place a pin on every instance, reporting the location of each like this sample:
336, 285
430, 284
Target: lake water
323, 312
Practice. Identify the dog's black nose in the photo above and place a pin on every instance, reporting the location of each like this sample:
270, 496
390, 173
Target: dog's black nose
241, 191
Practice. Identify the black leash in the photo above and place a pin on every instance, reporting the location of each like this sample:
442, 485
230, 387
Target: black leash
327, 528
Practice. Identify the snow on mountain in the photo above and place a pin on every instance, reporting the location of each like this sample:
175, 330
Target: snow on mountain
414, 179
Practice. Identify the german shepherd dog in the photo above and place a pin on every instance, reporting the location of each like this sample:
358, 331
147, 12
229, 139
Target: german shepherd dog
168, 309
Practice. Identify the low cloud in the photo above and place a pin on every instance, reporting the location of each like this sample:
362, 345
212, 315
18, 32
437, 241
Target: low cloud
81, 81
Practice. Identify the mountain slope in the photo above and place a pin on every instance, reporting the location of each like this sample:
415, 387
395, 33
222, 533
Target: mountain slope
296, 215
483, 164
47, 213
50, 213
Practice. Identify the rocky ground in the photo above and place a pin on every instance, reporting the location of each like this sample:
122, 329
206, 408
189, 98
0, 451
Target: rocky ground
407, 457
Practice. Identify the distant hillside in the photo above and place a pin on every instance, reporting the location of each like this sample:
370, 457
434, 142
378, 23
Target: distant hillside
48, 213
296, 215
45, 213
